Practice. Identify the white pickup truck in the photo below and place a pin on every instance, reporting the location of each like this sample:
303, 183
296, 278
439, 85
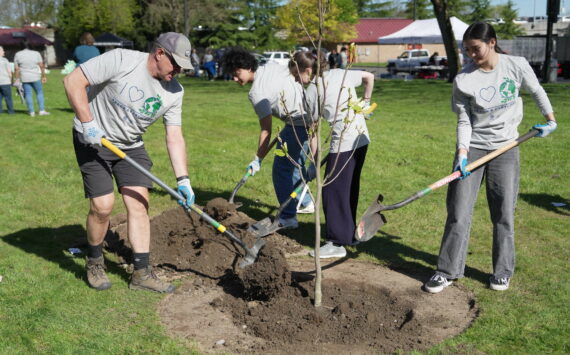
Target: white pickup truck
410, 60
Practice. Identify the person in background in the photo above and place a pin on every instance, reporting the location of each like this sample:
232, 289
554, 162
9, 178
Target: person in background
5, 83
433, 59
349, 143
30, 71
489, 108
131, 91
195, 59
86, 50
343, 58
333, 59
209, 64
274, 93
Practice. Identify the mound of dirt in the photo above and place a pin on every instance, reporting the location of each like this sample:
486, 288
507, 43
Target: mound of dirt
268, 306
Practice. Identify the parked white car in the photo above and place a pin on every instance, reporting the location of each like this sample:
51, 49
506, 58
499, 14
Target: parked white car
277, 57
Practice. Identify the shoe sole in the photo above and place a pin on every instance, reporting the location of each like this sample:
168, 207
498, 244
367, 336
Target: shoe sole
329, 256
305, 211
142, 288
437, 289
498, 287
103, 287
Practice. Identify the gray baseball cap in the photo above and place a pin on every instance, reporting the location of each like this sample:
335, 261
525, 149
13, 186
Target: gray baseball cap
178, 46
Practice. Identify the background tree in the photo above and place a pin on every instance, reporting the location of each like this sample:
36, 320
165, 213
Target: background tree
458, 8
20, 12
481, 10
374, 8
508, 29
338, 26
78, 16
418, 9
442, 15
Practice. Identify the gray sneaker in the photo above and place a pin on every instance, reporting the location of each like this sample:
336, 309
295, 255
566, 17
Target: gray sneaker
288, 223
146, 279
329, 250
96, 276
501, 284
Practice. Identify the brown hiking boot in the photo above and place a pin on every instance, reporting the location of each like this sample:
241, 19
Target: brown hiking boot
96, 274
146, 279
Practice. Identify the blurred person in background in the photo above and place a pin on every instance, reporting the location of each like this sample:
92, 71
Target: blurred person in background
5, 83
30, 71
86, 50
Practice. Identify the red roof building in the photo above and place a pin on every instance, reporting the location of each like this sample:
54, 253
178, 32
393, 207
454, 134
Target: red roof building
370, 29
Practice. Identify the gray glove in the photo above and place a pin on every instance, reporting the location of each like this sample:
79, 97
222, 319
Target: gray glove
92, 133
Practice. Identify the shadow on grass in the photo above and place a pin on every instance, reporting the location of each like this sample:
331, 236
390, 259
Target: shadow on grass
545, 201
389, 249
52, 244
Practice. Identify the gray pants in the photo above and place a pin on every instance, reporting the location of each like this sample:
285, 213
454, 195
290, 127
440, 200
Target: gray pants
502, 183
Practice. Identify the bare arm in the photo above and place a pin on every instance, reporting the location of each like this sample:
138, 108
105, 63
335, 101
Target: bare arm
264, 136
43, 70
176, 147
75, 85
16, 72
368, 80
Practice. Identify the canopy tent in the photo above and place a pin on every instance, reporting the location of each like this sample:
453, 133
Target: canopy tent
424, 31
112, 40
15, 36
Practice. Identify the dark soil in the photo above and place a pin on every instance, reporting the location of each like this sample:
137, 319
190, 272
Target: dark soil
268, 307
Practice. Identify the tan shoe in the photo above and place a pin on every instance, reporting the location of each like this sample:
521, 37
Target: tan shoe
146, 279
96, 274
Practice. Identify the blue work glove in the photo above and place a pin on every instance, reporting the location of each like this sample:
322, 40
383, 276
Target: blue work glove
185, 190
254, 166
311, 172
92, 133
545, 128
460, 165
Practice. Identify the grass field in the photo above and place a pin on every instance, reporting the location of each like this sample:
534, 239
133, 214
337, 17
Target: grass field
47, 308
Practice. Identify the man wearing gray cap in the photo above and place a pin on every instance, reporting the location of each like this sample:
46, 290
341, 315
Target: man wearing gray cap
118, 95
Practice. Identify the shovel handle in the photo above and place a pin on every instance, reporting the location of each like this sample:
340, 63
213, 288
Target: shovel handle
105, 142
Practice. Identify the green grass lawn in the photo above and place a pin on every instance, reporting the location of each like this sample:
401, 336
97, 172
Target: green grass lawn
47, 308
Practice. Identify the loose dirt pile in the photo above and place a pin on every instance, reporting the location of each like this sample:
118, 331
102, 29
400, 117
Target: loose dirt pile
268, 306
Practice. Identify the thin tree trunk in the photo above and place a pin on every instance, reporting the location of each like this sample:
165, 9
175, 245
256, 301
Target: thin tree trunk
440, 10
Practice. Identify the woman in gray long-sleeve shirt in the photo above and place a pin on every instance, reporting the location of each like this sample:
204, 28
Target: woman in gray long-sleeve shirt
489, 109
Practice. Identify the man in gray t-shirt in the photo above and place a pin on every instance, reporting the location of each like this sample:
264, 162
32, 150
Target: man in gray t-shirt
118, 95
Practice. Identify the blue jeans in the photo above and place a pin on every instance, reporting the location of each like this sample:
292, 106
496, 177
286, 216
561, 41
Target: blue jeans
6, 93
37, 86
285, 174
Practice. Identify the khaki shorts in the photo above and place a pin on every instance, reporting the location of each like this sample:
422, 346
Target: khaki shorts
99, 165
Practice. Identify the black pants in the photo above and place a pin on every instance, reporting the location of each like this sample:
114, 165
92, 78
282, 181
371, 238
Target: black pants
340, 196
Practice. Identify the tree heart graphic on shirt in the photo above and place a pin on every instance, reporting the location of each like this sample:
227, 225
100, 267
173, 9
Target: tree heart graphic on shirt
135, 94
487, 94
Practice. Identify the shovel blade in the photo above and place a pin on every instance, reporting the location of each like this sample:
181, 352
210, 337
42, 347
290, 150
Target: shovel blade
264, 227
251, 254
371, 221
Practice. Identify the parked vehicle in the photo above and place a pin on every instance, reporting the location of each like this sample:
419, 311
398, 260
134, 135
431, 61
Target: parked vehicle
261, 60
277, 57
409, 60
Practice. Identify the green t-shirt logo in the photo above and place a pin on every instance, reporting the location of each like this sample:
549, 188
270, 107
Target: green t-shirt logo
151, 106
507, 90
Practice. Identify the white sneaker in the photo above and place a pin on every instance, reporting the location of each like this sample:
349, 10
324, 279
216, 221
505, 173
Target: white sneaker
288, 223
329, 250
32, 114
310, 208
43, 113
501, 284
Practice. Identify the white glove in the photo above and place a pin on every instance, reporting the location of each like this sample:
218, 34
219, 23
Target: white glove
545, 128
92, 133
254, 166
368, 109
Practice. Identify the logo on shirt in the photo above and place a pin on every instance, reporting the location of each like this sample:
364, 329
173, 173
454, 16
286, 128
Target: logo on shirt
507, 90
151, 106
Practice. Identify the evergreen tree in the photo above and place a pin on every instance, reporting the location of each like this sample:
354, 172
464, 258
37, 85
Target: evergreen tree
508, 29
418, 9
374, 8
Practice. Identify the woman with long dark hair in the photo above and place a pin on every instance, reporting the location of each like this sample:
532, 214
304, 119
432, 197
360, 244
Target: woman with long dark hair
486, 99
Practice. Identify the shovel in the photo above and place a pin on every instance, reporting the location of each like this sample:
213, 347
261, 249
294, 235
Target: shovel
244, 179
267, 225
250, 253
373, 219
